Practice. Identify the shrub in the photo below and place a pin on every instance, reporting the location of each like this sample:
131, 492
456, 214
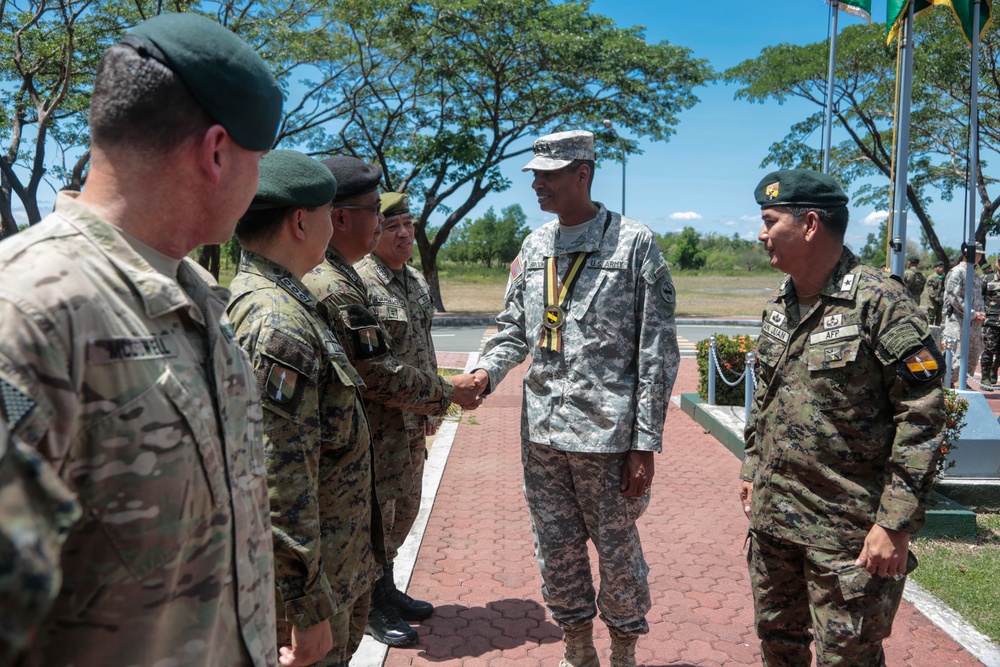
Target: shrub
730, 354
954, 421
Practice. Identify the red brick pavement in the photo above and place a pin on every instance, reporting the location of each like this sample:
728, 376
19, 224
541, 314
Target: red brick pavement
477, 566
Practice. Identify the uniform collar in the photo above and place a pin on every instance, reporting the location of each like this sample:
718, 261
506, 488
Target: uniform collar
589, 242
842, 284
262, 266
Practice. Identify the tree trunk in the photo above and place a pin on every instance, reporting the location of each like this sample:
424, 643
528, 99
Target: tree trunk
209, 257
428, 265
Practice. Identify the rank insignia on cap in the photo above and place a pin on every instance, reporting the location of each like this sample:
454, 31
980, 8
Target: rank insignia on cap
281, 384
922, 365
771, 191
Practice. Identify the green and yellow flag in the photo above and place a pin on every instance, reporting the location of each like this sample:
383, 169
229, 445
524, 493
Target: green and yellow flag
862, 8
960, 9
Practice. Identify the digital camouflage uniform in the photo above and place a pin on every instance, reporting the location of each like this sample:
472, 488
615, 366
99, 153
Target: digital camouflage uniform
954, 311
146, 407
403, 304
990, 358
935, 295
844, 434
914, 280
317, 450
584, 408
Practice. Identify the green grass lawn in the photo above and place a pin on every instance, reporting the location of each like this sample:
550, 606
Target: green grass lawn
965, 575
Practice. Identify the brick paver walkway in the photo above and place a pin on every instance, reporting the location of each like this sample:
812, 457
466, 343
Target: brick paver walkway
477, 566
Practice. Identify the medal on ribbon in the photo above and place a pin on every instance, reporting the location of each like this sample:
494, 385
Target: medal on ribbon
556, 295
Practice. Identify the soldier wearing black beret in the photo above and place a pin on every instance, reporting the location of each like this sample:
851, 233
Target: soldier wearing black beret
843, 439
935, 294
357, 219
118, 366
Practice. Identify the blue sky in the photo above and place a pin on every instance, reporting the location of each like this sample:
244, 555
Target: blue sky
705, 175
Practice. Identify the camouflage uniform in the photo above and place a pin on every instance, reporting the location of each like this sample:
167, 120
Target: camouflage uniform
990, 358
935, 293
402, 302
914, 280
954, 311
317, 451
844, 434
586, 407
146, 407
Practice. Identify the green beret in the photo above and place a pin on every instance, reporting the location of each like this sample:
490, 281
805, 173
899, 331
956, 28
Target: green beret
291, 178
799, 187
223, 72
394, 203
354, 176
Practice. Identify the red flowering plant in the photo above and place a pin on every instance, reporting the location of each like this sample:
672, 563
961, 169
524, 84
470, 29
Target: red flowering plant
730, 355
954, 421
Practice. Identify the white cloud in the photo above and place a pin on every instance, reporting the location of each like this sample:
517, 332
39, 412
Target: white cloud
875, 218
749, 218
685, 215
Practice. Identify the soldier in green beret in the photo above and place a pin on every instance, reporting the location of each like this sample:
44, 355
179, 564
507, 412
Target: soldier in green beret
118, 368
357, 227
317, 446
843, 439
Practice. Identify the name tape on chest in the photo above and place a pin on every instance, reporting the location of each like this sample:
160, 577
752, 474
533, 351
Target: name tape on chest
387, 300
775, 332
112, 350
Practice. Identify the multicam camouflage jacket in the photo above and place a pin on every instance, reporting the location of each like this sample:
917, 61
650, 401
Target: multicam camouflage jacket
146, 407
317, 445
935, 289
607, 390
991, 300
387, 379
402, 302
914, 280
845, 427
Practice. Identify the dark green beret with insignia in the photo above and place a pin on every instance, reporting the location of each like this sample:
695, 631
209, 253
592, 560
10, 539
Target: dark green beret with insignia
799, 187
225, 75
354, 176
394, 203
291, 178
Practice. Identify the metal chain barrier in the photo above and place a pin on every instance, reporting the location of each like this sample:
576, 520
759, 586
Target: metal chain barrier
713, 362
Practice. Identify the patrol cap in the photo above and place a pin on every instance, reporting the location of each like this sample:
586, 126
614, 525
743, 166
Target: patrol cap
354, 176
799, 187
394, 203
291, 178
913, 258
555, 151
225, 75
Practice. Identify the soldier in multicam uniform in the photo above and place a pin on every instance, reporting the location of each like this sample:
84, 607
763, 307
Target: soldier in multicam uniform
316, 439
118, 367
913, 278
954, 312
402, 302
843, 440
935, 294
357, 219
990, 359
591, 300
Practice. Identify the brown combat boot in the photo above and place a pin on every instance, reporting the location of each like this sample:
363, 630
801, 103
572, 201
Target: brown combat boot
579, 648
622, 648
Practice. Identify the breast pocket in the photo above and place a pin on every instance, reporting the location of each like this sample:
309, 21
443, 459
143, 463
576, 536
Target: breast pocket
833, 373
151, 473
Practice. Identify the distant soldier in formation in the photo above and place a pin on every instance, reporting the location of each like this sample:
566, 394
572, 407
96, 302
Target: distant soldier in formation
119, 369
954, 312
914, 278
402, 301
990, 359
843, 440
935, 294
357, 226
317, 443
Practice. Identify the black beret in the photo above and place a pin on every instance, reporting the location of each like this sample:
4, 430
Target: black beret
354, 176
394, 203
914, 258
799, 187
291, 178
938, 263
225, 75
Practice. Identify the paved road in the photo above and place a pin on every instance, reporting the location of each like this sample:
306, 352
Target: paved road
469, 338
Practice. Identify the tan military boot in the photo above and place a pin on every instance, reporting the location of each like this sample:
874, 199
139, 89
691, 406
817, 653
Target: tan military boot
579, 648
622, 648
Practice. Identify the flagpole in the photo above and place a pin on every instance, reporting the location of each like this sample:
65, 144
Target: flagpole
828, 127
898, 226
970, 247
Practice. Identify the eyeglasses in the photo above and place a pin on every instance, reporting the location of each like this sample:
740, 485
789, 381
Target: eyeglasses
376, 207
